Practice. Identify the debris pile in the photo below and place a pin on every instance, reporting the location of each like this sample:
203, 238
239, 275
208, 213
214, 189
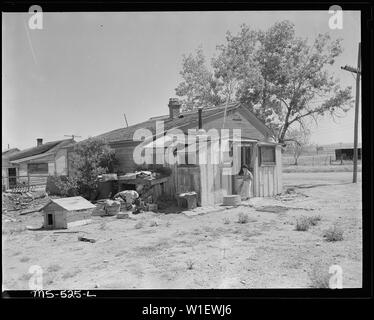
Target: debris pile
290, 194
24, 201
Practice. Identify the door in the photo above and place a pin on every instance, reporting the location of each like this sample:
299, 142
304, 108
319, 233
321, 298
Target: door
12, 174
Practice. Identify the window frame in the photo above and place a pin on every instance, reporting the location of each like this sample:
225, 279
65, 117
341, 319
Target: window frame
267, 163
32, 171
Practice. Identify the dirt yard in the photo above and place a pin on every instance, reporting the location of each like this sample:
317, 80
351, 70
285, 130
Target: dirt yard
200, 249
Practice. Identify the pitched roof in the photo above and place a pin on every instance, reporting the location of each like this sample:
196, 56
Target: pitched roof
71, 203
38, 150
8, 152
185, 120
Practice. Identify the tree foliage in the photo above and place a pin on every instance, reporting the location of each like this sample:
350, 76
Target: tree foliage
90, 159
198, 87
282, 78
297, 140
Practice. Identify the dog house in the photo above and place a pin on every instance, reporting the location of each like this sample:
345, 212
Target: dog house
59, 212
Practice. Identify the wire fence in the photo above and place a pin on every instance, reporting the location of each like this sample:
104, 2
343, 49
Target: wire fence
315, 160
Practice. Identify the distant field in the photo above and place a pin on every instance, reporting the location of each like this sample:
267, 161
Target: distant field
317, 163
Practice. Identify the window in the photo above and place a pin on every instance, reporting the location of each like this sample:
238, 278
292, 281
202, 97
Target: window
38, 168
267, 155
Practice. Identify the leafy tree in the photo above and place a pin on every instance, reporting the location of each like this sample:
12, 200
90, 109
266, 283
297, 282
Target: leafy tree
90, 159
198, 87
235, 64
283, 79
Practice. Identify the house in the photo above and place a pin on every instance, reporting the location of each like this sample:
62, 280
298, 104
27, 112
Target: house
59, 213
8, 171
33, 165
254, 147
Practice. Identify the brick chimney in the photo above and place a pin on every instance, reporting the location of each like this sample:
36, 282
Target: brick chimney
174, 108
39, 142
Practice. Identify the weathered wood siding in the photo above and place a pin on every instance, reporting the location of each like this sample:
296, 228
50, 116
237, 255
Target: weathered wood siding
269, 177
187, 178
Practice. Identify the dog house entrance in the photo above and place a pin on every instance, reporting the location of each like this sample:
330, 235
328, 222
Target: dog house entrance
50, 219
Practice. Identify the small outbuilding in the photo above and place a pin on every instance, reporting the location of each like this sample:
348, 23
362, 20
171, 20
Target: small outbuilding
347, 154
59, 212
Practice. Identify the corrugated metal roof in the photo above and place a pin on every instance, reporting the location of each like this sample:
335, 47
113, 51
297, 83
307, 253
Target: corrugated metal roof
72, 203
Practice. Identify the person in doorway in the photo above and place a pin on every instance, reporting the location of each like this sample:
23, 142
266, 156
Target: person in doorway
245, 187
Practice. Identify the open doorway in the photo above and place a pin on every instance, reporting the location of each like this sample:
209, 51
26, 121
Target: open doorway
50, 219
246, 158
12, 176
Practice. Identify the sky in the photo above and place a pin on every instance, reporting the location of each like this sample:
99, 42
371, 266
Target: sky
82, 71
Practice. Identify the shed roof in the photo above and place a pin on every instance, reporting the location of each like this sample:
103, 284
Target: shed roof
72, 203
38, 150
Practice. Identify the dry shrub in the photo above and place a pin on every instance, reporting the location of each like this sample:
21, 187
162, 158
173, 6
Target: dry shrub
190, 264
314, 220
153, 223
24, 259
302, 224
243, 218
319, 276
333, 234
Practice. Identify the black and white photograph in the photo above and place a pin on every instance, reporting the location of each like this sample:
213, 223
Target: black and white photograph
182, 150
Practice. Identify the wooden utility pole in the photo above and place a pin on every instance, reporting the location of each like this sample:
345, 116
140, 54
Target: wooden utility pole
358, 75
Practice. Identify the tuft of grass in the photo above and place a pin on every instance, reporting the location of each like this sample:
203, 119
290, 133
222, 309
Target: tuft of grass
226, 221
24, 259
333, 234
54, 268
319, 276
314, 220
302, 224
190, 264
139, 225
153, 223
243, 217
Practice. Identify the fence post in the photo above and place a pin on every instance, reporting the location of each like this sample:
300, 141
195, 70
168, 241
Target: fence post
28, 181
